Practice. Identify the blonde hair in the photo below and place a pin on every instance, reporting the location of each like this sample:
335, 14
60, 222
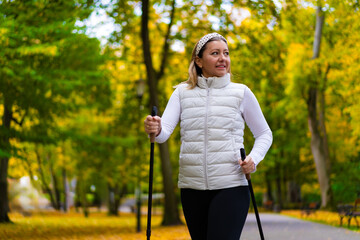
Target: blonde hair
194, 70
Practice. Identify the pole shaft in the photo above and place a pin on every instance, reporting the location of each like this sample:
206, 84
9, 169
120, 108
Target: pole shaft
248, 177
151, 173
255, 209
148, 230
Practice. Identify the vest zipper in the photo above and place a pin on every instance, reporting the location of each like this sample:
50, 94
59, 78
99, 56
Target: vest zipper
206, 138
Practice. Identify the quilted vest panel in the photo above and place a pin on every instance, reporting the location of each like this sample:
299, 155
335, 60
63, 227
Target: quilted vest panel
212, 130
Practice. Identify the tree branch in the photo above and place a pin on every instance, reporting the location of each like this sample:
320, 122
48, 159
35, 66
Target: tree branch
166, 42
318, 32
45, 186
20, 123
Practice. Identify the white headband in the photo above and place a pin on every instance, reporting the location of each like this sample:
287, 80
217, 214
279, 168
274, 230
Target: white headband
205, 39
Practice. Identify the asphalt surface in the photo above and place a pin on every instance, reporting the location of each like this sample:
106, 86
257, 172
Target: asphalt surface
278, 227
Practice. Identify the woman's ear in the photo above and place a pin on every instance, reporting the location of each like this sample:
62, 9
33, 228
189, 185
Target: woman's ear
198, 62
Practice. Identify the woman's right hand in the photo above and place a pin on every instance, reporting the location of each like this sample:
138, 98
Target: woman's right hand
152, 125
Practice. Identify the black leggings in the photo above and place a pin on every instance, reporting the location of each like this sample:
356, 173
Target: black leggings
215, 214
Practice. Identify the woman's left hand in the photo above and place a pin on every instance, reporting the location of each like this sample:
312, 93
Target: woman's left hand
248, 165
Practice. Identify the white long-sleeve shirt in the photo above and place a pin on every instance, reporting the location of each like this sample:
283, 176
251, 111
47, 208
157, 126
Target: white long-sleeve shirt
250, 110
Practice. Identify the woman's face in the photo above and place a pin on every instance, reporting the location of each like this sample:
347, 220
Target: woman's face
215, 61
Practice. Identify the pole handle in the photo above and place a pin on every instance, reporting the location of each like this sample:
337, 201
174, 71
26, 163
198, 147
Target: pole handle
243, 157
153, 114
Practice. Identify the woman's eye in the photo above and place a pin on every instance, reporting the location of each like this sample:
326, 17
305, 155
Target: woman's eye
226, 53
214, 53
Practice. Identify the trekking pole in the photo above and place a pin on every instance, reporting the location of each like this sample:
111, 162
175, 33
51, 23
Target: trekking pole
243, 156
151, 172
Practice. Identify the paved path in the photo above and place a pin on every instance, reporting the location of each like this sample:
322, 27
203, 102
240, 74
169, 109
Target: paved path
278, 227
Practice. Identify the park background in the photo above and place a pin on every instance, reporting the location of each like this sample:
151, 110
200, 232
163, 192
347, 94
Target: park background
72, 104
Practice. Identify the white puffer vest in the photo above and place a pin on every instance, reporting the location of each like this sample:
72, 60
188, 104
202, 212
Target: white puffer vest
212, 130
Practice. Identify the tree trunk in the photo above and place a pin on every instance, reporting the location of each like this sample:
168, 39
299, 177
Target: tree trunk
4, 162
151, 76
269, 191
4, 202
82, 193
66, 190
319, 145
171, 216
45, 187
293, 192
317, 148
171, 213
55, 184
278, 182
115, 195
112, 210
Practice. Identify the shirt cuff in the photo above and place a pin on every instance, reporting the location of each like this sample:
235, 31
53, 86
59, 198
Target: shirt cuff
161, 137
256, 158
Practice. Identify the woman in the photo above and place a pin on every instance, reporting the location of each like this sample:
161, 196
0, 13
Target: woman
212, 112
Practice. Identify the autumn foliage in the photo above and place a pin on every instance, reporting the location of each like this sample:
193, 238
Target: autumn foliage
56, 226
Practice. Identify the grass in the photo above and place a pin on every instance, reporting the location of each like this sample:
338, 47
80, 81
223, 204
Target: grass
325, 217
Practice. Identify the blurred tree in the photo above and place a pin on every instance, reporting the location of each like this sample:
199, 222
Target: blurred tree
316, 112
314, 81
48, 68
171, 213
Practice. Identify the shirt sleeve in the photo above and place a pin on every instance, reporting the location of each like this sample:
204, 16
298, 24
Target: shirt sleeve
260, 129
170, 117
